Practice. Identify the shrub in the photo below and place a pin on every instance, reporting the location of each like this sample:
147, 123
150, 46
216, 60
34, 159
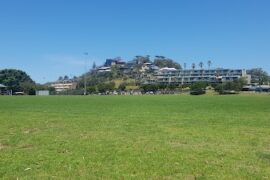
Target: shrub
198, 88
232, 87
91, 89
149, 87
103, 87
197, 92
122, 87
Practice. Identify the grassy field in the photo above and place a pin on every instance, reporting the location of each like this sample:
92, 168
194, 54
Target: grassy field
135, 137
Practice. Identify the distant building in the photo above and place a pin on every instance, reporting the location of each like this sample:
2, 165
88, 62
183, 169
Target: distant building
149, 67
64, 85
113, 62
176, 76
104, 69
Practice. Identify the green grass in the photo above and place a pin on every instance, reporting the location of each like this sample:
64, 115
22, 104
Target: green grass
135, 137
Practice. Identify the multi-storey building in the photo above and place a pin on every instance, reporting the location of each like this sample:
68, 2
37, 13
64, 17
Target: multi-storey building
174, 76
115, 61
64, 85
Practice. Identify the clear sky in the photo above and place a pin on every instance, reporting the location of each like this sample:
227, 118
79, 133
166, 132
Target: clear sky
48, 38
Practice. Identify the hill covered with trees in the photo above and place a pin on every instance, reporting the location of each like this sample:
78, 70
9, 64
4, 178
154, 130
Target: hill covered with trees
19, 81
124, 76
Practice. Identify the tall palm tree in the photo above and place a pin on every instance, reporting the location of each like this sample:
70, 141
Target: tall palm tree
209, 62
193, 66
201, 64
183, 74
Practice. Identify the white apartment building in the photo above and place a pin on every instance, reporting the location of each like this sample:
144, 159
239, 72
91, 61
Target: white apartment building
63, 86
172, 75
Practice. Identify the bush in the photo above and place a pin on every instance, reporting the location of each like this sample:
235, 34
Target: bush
198, 85
232, 87
149, 87
91, 90
198, 88
197, 92
122, 87
103, 87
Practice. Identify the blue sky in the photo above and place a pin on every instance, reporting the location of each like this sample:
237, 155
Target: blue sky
48, 38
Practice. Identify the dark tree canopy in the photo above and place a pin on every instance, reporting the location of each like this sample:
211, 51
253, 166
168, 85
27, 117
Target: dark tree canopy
103, 87
258, 75
16, 80
162, 62
235, 85
142, 59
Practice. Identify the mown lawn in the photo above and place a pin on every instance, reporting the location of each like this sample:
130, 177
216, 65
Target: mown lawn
135, 137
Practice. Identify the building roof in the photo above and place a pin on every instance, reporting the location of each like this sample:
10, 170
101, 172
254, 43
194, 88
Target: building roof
2, 86
168, 69
104, 68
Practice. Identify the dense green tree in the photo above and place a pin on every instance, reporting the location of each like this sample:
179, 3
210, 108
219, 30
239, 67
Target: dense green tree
199, 85
162, 61
91, 89
258, 75
162, 86
172, 86
103, 87
198, 88
16, 80
150, 87
28, 87
231, 86
116, 72
122, 86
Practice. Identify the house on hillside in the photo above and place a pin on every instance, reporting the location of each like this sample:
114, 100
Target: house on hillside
145, 67
112, 62
104, 69
149, 67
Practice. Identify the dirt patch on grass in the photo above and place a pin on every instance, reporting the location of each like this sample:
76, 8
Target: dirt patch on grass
30, 130
176, 144
3, 146
26, 146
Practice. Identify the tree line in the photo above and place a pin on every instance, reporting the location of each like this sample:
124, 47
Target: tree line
19, 81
